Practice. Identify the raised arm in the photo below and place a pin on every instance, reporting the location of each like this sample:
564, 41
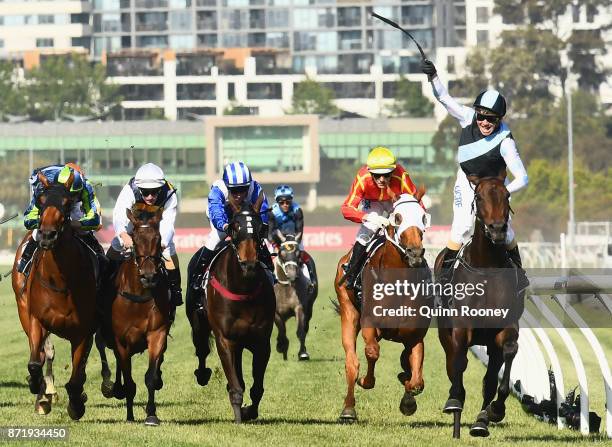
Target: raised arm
515, 165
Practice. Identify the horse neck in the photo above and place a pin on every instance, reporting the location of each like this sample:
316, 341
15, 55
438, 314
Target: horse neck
65, 251
483, 252
129, 280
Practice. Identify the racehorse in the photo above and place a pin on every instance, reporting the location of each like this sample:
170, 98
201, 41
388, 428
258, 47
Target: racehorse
486, 252
140, 315
239, 310
402, 248
293, 296
58, 296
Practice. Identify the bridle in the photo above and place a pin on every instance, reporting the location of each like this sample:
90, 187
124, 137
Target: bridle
291, 246
253, 224
476, 210
140, 260
404, 252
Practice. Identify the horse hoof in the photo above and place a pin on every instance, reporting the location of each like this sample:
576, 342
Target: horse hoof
203, 376
408, 404
84, 398
479, 430
366, 386
452, 406
76, 410
118, 391
152, 421
159, 384
43, 405
496, 413
348, 416
285, 356
303, 356
54, 398
107, 388
249, 413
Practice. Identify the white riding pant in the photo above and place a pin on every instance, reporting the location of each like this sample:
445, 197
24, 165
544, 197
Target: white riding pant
214, 238
464, 211
368, 229
169, 251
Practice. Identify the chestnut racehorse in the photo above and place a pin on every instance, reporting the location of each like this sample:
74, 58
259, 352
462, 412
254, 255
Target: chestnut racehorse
140, 315
240, 307
58, 296
485, 261
403, 248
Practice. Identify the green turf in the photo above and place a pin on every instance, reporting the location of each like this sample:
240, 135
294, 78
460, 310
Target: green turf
300, 406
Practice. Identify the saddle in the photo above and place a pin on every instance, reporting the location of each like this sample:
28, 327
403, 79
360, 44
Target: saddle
371, 249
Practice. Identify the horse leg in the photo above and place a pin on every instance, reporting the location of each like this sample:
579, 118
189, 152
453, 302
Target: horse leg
74, 387
372, 352
227, 349
300, 316
456, 365
282, 342
36, 338
200, 336
118, 388
414, 383
350, 328
156, 345
261, 356
489, 388
238, 364
497, 409
106, 387
124, 358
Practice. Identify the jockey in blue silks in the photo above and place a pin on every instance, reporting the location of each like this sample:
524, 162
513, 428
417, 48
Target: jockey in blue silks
286, 217
238, 183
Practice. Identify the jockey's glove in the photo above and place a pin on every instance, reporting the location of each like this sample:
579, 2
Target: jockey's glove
428, 68
379, 221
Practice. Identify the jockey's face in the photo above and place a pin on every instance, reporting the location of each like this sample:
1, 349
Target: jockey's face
149, 195
486, 121
238, 194
381, 180
284, 205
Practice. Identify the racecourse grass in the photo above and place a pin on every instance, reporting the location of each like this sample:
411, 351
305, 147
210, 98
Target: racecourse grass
301, 403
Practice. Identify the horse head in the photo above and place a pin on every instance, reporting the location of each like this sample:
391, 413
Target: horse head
408, 221
245, 232
289, 257
147, 245
492, 203
54, 203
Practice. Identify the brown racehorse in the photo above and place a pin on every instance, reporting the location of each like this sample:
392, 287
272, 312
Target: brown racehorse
140, 312
59, 295
487, 250
240, 307
403, 248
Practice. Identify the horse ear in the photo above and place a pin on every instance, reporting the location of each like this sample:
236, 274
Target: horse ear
70, 181
420, 192
43, 180
473, 179
130, 216
258, 202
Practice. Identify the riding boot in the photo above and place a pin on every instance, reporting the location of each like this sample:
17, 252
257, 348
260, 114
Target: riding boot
446, 270
312, 271
354, 265
515, 257
26, 255
195, 273
174, 282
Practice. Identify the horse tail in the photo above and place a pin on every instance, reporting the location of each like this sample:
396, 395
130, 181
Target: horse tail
335, 304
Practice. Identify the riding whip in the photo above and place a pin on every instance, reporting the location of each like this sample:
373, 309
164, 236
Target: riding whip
6, 219
395, 25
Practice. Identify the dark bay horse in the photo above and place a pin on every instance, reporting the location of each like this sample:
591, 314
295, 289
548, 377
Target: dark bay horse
293, 296
240, 308
140, 312
58, 296
403, 248
485, 259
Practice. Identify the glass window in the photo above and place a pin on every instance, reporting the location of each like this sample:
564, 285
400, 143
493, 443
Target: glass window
106, 4
277, 18
182, 42
277, 40
147, 4
152, 41
351, 89
206, 2
236, 19
591, 13
14, 20
151, 21
389, 89
80, 42
79, 18
482, 15
460, 15
450, 64
145, 92
417, 15
46, 19
576, 13
207, 40
264, 90
319, 41
349, 40
44, 42
390, 12
206, 20
257, 18
108, 44
234, 40
482, 37
256, 39
235, 3
194, 64
180, 20
410, 64
304, 18
196, 91
280, 2
1, 43
355, 63
186, 113
178, 4
349, 16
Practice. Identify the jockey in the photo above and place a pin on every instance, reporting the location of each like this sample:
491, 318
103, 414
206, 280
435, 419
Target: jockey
84, 212
375, 186
286, 217
486, 148
236, 185
149, 191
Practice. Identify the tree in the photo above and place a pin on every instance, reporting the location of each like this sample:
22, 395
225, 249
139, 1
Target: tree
13, 101
70, 85
410, 101
311, 97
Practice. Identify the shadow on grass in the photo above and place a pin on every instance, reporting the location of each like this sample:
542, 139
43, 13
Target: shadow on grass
13, 384
263, 421
558, 438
